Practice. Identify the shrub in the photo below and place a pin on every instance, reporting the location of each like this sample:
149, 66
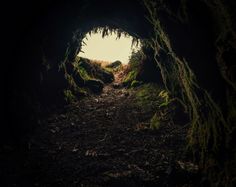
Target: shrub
134, 63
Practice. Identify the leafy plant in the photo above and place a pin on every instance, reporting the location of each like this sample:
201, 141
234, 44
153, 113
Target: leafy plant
133, 66
131, 76
135, 58
165, 97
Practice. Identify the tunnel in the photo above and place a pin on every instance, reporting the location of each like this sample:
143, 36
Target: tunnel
168, 120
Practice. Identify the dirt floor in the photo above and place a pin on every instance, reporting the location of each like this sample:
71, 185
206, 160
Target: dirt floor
102, 140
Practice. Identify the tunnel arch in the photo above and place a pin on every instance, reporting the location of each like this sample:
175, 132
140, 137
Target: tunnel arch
65, 42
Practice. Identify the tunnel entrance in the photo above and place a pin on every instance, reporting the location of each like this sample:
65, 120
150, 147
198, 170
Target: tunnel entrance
109, 48
106, 55
112, 50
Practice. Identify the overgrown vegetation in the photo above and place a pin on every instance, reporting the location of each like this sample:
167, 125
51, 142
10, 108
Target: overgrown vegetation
133, 68
84, 73
92, 70
209, 128
156, 101
83, 76
147, 97
109, 30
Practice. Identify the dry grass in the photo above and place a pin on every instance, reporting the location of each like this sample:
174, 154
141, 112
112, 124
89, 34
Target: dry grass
102, 63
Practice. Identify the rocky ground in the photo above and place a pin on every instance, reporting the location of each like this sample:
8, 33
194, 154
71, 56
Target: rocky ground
102, 140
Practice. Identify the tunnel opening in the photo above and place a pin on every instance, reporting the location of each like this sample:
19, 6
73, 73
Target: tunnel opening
137, 68
110, 48
95, 63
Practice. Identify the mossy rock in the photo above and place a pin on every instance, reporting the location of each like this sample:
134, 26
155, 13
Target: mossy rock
91, 70
95, 85
105, 76
114, 65
84, 74
91, 75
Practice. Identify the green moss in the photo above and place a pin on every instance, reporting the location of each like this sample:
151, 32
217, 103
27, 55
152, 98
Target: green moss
165, 98
135, 83
147, 97
89, 69
69, 96
84, 74
111, 70
148, 91
134, 66
131, 76
135, 59
155, 122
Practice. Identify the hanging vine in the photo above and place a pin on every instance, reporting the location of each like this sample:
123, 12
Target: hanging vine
208, 125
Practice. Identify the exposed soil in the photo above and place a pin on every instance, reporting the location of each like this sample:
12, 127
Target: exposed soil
102, 140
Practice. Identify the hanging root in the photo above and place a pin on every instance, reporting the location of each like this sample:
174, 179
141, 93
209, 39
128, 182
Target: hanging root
209, 129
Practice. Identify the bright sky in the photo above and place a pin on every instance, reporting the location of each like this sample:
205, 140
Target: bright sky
107, 48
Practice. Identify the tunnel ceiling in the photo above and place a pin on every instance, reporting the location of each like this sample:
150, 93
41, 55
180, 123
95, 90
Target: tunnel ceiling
47, 27
51, 19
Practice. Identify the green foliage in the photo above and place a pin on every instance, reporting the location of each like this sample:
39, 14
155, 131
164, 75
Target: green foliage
165, 98
92, 69
155, 122
131, 76
111, 70
148, 91
151, 98
74, 46
135, 59
108, 30
134, 66
136, 83
69, 96
147, 97
83, 73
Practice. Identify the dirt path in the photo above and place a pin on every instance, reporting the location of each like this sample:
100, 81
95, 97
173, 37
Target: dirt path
99, 141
